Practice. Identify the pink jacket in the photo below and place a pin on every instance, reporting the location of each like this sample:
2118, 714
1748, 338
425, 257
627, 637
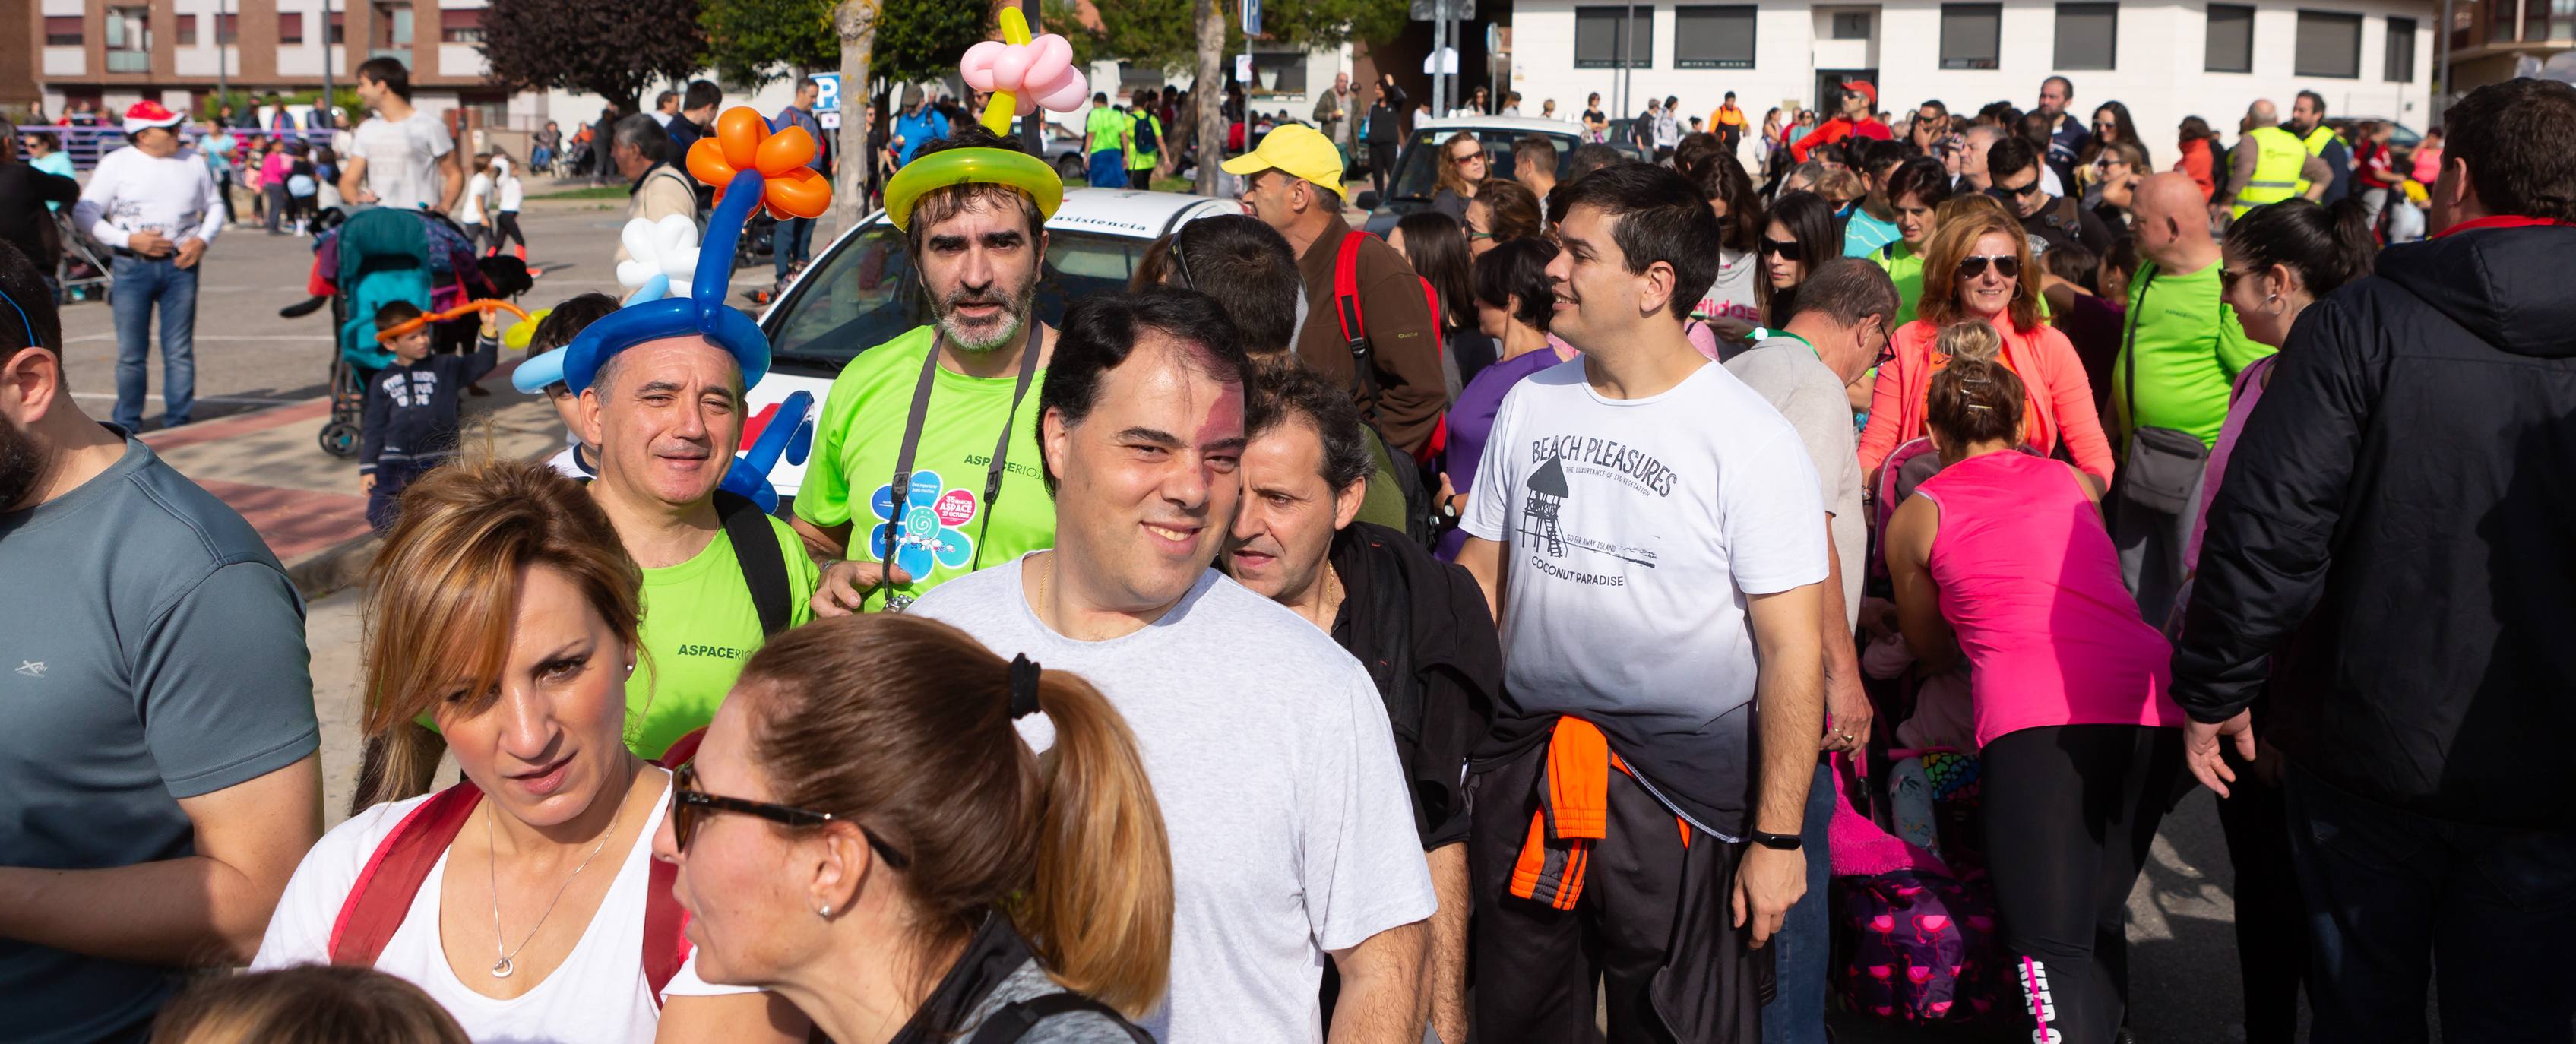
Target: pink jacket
2059, 398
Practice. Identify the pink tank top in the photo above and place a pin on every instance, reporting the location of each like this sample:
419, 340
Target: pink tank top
2032, 588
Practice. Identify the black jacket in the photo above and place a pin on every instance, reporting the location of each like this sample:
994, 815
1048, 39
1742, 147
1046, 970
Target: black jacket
1386, 116
413, 412
1421, 628
24, 221
2394, 545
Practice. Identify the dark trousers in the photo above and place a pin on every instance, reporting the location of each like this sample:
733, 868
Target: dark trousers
1382, 159
138, 285
793, 241
384, 502
1141, 180
1651, 926
1802, 953
2271, 921
505, 227
275, 193
2395, 899
2070, 811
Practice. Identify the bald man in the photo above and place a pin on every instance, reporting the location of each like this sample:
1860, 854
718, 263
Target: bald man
2169, 385
2243, 159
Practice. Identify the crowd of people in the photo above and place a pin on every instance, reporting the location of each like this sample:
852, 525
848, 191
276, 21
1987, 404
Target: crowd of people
1660, 542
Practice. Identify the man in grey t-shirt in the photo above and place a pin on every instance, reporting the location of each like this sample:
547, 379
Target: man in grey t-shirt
1291, 832
158, 778
1840, 330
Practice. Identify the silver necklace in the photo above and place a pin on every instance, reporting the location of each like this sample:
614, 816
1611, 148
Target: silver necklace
501, 968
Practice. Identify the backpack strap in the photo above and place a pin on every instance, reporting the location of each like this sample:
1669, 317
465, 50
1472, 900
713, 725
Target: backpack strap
756, 550
382, 897
1346, 307
1015, 1021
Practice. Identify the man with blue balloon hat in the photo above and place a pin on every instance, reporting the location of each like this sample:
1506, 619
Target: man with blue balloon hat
661, 386
926, 451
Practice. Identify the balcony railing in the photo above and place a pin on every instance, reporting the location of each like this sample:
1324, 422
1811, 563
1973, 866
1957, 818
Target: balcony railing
129, 61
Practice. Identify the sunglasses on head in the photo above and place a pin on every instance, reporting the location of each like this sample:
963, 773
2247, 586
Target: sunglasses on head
689, 805
1974, 265
1784, 249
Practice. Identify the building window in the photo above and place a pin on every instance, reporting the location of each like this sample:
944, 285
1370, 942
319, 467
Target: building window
460, 25
2401, 51
187, 30
1851, 25
2088, 36
2231, 39
1601, 37
393, 27
1278, 72
62, 30
129, 39
1711, 37
2329, 45
338, 34
1971, 35
290, 27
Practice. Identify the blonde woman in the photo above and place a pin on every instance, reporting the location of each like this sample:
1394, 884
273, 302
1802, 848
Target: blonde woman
1462, 168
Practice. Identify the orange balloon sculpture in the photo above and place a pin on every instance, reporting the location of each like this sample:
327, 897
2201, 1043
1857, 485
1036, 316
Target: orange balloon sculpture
743, 142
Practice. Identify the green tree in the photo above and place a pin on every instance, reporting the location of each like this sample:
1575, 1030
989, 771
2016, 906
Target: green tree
756, 41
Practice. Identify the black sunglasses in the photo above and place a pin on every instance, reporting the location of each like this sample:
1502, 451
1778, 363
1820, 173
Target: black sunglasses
688, 804
2227, 279
1974, 265
1785, 249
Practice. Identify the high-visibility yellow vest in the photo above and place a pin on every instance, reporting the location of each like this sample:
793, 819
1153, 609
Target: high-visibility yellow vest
2279, 158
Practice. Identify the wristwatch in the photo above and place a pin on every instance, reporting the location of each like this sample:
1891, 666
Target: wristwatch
1777, 842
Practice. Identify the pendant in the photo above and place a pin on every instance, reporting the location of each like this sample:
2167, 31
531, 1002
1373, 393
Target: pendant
501, 968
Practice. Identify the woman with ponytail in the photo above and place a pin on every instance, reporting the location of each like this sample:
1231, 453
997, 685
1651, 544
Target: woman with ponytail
503, 611
865, 832
2277, 260
2002, 561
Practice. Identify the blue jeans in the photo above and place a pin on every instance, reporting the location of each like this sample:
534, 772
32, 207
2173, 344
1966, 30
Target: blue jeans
138, 284
2396, 898
792, 242
1802, 953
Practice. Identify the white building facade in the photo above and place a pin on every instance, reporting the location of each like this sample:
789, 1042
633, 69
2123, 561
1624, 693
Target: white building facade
2164, 59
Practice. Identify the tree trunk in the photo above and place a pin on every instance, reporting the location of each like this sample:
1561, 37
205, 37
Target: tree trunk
856, 22
1208, 89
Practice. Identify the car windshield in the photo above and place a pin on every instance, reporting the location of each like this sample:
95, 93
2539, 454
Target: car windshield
866, 293
1418, 176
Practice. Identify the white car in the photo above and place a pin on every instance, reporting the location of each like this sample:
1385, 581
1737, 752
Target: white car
863, 291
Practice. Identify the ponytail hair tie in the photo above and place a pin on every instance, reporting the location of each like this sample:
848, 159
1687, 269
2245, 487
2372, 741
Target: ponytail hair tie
1024, 686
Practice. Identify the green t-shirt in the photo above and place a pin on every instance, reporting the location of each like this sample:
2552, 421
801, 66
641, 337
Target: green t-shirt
2189, 347
946, 533
1139, 160
1905, 269
1108, 129
699, 626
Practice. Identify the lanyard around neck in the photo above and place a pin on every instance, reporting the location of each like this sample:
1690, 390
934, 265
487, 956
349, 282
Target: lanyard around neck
913, 419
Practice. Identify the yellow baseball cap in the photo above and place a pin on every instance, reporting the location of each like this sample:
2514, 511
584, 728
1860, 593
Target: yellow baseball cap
1296, 149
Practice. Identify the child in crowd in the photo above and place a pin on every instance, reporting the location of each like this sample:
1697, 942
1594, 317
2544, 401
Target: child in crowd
507, 194
414, 407
543, 373
478, 192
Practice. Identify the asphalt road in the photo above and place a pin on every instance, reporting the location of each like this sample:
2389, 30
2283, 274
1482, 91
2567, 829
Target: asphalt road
2183, 961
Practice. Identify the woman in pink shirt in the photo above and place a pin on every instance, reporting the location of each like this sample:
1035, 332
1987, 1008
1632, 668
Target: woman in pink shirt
1977, 265
2001, 559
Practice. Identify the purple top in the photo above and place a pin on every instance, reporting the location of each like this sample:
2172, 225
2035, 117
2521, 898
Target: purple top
1471, 419
2249, 390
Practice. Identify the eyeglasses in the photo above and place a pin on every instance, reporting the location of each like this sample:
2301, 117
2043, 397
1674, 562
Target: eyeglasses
689, 804
1886, 343
1974, 265
2001, 191
2227, 278
1784, 249
1464, 158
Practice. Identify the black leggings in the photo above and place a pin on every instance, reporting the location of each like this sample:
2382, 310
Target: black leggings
505, 225
2069, 813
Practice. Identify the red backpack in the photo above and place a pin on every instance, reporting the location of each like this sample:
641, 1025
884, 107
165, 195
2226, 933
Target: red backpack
1346, 307
393, 876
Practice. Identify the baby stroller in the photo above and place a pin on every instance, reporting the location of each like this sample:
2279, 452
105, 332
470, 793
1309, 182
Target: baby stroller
375, 257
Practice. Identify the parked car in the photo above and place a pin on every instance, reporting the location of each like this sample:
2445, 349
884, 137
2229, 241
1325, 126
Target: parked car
863, 291
1417, 171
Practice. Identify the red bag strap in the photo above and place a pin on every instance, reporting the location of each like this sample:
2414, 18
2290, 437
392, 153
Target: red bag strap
665, 948
393, 875
1346, 307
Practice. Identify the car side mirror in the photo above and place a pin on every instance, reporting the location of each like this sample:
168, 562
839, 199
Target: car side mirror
1366, 200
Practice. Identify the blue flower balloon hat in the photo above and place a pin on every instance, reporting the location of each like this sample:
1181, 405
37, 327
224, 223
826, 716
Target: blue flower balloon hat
750, 167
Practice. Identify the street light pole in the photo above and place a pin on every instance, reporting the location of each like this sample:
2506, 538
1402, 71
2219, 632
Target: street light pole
223, 59
327, 105
2443, 41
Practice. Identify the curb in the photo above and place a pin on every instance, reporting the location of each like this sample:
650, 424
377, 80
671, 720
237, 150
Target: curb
325, 572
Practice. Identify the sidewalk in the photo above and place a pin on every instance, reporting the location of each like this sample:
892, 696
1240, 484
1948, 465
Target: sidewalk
269, 466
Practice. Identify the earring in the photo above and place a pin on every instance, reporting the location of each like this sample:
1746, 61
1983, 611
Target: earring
824, 913
2275, 302
630, 666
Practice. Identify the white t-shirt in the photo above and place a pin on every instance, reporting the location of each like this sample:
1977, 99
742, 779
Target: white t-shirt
1635, 529
402, 159
599, 993
511, 194
470, 210
1736, 293
1271, 756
